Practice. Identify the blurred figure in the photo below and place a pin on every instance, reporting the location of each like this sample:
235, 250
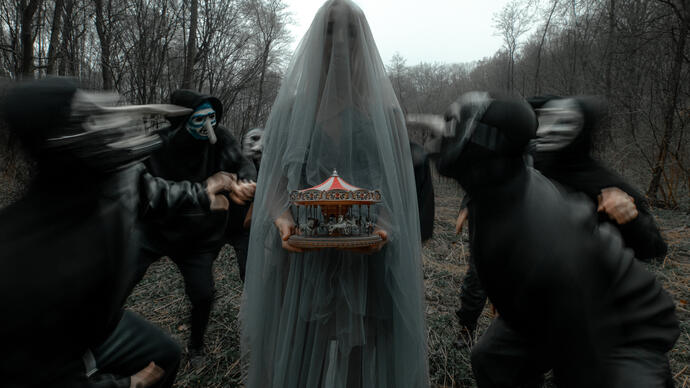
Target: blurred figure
562, 153
425, 190
335, 317
68, 247
195, 147
570, 297
253, 146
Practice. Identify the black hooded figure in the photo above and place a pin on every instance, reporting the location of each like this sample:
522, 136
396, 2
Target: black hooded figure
570, 297
192, 239
569, 162
68, 247
562, 153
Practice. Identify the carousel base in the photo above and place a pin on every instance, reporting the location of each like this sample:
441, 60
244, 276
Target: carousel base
334, 242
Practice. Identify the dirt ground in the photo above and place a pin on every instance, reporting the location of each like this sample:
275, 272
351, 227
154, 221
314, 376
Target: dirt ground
160, 298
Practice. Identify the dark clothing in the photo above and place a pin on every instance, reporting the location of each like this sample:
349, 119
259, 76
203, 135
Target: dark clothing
191, 238
133, 345
558, 278
184, 158
585, 175
67, 257
472, 297
197, 271
504, 358
425, 190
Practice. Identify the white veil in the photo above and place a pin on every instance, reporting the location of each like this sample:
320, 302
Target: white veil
333, 317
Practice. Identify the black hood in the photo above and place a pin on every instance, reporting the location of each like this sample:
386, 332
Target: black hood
39, 110
495, 148
192, 99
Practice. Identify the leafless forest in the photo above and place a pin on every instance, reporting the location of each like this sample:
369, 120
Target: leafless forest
634, 53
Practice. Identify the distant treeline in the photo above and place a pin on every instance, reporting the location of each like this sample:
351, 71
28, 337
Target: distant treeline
634, 53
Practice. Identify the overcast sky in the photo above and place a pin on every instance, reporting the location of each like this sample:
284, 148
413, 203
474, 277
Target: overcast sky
445, 31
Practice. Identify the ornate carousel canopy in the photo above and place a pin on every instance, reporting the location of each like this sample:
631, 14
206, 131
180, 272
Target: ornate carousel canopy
335, 191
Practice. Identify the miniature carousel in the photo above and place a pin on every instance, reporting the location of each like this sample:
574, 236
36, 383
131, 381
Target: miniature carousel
334, 214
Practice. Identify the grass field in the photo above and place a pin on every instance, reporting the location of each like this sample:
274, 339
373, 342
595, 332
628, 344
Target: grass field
160, 298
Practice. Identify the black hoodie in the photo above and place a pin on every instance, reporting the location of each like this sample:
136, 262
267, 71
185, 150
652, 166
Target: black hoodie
575, 169
182, 157
556, 276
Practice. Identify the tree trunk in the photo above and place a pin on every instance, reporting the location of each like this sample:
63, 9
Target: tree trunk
537, 84
191, 46
67, 30
264, 63
27, 39
104, 36
669, 110
54, 37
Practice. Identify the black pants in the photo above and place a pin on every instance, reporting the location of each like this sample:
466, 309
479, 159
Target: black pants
240, 242
504, 358
472, 297
197, 271
132, 346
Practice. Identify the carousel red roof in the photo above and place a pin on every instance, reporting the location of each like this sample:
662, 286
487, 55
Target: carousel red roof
334, 182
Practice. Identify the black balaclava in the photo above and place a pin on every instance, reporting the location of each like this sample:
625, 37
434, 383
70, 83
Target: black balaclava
485, 139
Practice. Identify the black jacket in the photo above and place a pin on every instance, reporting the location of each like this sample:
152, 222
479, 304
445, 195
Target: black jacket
562, 279
67, 255
184, 158
583, 174
575, 169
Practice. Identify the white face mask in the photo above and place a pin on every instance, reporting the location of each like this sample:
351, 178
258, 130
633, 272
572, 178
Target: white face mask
560, 122
252, 144
201, 123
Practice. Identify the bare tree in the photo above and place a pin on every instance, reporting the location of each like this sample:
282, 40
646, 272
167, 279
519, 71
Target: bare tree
512, 22
190, 58
28, 9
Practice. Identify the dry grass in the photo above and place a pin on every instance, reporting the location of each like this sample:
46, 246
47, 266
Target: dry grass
160, 297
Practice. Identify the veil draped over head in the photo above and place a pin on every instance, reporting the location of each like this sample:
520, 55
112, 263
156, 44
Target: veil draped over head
331, 317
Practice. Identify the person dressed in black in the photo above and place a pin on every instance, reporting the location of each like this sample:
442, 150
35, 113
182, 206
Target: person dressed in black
196, 147
425, 189
68, 247
562, 153
570, 297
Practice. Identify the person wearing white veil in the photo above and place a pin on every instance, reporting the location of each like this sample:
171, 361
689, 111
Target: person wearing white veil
335, 318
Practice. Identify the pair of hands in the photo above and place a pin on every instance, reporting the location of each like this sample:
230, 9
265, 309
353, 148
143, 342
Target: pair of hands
240, 191
286, 228
616, 203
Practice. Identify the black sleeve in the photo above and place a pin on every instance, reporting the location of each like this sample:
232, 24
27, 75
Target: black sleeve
231, 156
159, 197
109, 381
643, 236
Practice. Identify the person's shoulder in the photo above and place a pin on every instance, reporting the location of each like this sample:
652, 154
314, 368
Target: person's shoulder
224, 135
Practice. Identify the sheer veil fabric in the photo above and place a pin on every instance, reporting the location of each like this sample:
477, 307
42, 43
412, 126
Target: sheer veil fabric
334, 318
